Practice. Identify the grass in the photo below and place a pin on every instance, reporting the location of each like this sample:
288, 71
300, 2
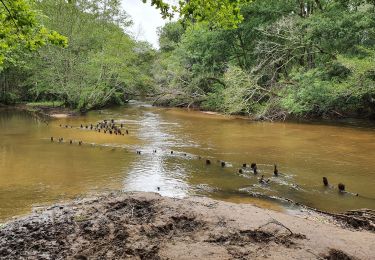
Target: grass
45, 104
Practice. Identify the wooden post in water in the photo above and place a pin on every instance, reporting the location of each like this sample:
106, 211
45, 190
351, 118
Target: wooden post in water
275, 171
341, 187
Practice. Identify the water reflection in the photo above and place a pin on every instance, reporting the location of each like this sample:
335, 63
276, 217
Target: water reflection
154, 170
35, 170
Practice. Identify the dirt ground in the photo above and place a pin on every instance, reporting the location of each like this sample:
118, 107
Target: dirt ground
148, 226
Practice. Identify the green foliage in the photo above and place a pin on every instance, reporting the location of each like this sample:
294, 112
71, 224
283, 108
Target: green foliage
242, 91
319, 93
102, 64
165, 8
170, 35
20, 28
268, 59
45, 104
204, 50
298, 58
215, 99
341, 29
311, 95
216, 13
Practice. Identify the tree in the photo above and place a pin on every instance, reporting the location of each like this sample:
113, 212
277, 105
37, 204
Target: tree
217, 13
101, 65
170, 35
299, 58
20, 28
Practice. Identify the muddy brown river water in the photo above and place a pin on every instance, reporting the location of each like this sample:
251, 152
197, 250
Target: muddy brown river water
34, 170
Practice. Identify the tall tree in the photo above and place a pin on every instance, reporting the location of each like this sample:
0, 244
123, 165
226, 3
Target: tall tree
20, 27
101, 64
282, 57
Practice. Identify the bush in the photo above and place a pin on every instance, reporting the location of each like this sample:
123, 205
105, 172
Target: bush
9, 98
346, 87
214, 101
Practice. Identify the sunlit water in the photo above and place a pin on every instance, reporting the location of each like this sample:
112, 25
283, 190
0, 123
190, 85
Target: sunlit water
34, 170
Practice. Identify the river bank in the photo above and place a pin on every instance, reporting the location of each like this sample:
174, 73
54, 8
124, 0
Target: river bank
61, 111
48, 110
148, 226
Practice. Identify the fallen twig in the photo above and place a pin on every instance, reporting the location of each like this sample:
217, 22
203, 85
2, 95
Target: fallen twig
276, 222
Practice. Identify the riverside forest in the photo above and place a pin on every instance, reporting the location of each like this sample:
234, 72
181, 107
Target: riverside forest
248, 132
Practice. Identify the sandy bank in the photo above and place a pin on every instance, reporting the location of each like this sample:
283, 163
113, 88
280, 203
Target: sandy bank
48, 111
148, 226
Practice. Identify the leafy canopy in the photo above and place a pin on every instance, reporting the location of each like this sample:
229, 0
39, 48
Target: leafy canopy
217, 13
273, 59
20, 28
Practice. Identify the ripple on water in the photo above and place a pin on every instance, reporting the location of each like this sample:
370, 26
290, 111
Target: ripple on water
304, 153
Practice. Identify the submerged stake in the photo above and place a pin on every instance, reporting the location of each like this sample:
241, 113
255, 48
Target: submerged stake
253, 165
341, 187
276, 171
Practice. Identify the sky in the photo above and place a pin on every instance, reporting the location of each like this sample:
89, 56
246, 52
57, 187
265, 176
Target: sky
146, 20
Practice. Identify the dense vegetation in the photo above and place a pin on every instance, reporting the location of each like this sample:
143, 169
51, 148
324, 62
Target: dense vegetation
100, 65
286, 58
269, 59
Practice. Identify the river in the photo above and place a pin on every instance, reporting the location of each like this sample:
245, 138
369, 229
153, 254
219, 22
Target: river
35, 171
